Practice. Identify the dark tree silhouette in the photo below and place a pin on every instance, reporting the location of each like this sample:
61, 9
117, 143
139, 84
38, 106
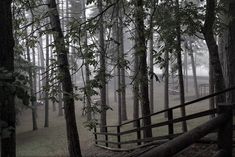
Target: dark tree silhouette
7, 104
141, 52
213, 49
102, 69
65, 79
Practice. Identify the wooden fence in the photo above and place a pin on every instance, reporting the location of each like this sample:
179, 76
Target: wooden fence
224, 117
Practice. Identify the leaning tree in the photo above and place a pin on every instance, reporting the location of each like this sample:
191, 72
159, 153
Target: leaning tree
65, 79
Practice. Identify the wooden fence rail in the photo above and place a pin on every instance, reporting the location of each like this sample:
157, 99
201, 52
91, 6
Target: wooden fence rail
169, 123
175, 107
183, 141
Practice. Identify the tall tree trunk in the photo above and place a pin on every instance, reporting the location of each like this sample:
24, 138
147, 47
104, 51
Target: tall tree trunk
186, 70
46, 122
117, 36
52, 70
60, 99
179, 62
211, 88
63, 65
151, 89
119, 94
194, 70
39, 74
123, 75
34, 74
136, 88
62, 13
166, 89
213, 49
60, 95
231, 54
32, 92
223, 37
230, 70
141, 51
107, 90
115, 85
172, 76
32, 82
7, 104
114, 46
151, 49
102, 69
44, 82
87, 69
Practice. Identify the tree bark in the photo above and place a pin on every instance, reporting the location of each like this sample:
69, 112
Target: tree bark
102, 70
34, 77
194, 70
39, 74
52, 70
141, 51
107, 88
211, 88
32, 92
62, 52
230, 54
136, 88
122, 64
151, 49
213, 49
119, 94
60, 99
117, 36
46, 122
44, 80
223, 37
87, 69
151, 89
179, 62
166, 88
60, 95
186, 70
7, 104
115, 85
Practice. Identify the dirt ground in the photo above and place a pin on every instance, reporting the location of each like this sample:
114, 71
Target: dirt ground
51, 142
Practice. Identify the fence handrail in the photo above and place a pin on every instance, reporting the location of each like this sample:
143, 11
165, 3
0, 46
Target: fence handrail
225, 108
164, 123
181, 142
174, 107
181, 105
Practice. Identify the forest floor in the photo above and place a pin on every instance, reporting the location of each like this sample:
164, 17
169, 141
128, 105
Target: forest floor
51, 142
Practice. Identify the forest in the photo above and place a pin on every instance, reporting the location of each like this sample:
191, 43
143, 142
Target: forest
117, 78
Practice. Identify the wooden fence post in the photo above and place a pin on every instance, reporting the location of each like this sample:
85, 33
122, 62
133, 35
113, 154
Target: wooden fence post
170, 125
118, 137
138, 131
225, 132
